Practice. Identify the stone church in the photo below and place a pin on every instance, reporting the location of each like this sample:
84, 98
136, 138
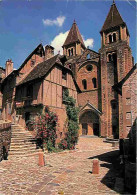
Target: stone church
94, 79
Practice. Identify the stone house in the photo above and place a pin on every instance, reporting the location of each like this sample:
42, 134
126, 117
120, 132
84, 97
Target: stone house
39, 81
90, 77
127, 90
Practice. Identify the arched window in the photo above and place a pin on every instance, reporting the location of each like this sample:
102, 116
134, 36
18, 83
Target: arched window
69, 52
88, 56
110, 38
94, 80
114, 37
84, 83
109, 58
72, 51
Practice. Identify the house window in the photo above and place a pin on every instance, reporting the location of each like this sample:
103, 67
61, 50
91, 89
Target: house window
128, 115
30, 91
127, 101
64, 74
64, 91
94, 81
84, 83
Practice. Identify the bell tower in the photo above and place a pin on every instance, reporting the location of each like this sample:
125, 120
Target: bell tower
74, 44
116, 62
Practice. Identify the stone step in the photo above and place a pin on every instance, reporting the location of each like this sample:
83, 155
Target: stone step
21, 136
22, 149
22, 142
23, 146
22, 153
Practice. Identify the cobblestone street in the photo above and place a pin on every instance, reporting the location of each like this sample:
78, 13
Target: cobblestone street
67, 172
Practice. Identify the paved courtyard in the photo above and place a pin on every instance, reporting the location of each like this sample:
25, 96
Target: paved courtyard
67, 173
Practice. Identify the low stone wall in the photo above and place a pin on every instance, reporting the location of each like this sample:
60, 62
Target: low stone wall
5, 139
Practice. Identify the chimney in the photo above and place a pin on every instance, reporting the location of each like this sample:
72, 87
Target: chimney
49, 52
9, 67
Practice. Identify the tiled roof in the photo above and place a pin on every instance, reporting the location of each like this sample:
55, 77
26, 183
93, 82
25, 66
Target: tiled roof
74, 36
113, 18
40, 70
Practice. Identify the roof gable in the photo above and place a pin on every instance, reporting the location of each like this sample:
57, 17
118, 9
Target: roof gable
74, 36
113, 18
38, 50
40, 70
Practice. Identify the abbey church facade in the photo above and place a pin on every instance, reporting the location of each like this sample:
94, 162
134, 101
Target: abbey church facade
95, 79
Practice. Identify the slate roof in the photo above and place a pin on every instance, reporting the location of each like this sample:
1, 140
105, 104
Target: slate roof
40, 70
74, 36
113, 18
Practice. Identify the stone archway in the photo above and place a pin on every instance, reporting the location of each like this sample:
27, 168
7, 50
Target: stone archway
89, 120
89, 123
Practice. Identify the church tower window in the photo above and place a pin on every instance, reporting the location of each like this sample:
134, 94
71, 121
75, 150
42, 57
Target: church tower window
84, 83
94, 80
69, 52
72, 52
109, 58
89, 67
114, 37
110, 38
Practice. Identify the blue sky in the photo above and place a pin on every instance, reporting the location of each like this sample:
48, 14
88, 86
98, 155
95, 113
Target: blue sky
26, 23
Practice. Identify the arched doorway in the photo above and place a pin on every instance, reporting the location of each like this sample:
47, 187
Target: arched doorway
89, 122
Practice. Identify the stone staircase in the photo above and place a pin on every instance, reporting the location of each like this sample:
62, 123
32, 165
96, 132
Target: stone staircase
22, 142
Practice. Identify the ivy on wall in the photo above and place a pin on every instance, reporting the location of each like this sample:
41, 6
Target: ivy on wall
71, 136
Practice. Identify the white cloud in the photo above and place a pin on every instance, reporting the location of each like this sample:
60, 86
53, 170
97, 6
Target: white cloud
59, 40
89, 42
58, 21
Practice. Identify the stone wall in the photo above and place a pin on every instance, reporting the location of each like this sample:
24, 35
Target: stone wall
5, 139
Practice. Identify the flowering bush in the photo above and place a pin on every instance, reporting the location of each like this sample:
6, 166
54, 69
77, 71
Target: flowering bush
71, 137
46, 128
